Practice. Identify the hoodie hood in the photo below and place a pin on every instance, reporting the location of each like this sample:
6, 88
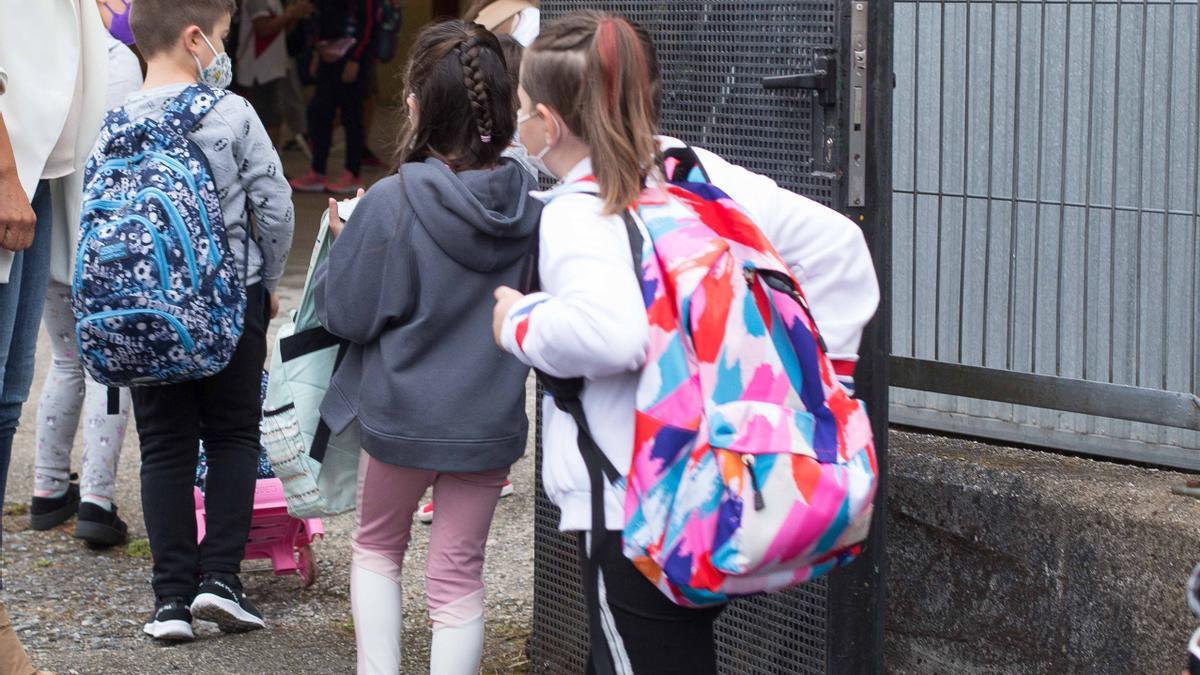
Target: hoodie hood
482, 219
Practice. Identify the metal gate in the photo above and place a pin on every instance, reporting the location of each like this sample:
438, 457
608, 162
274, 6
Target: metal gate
775, 87
1047, 270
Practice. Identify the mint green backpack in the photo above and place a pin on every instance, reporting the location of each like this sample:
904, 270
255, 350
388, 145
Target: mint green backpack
319, 471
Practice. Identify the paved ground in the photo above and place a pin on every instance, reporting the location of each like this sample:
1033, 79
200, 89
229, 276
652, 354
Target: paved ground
80, 611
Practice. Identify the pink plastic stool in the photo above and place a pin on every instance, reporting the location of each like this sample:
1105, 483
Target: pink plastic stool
275, 535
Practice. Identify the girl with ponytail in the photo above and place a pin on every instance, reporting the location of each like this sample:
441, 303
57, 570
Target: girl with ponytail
587, 116
407, 286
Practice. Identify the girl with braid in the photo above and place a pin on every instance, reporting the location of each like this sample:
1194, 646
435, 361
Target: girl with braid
408, 284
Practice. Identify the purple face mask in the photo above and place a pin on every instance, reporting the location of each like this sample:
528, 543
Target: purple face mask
119, 28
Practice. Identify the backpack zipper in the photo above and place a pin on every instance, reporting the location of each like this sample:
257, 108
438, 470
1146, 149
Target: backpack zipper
184, 336
159, 257
759, 502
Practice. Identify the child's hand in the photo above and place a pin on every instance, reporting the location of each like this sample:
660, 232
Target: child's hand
335, 221
274, 305
505, 299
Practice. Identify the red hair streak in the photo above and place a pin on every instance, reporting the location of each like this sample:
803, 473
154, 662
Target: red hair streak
608, 49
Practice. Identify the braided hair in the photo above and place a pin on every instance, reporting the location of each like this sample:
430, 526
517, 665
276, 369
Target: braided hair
477, 93
464, 97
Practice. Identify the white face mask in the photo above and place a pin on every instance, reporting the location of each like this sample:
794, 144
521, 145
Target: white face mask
538, 161
219, 73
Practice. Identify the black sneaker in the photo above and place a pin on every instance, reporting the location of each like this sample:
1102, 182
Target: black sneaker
99, 527
171, 621
49, 512
221, 600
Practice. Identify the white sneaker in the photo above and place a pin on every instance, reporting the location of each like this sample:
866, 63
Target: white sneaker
171, 621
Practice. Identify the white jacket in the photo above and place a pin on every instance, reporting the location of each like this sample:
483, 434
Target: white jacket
51, 51
589, 321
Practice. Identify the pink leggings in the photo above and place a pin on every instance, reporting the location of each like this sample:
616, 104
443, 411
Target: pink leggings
387, 497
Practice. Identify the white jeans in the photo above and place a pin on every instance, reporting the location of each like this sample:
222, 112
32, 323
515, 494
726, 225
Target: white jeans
67, 392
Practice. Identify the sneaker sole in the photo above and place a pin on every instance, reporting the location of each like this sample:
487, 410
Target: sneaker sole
175, 630
311, 189
98, 534
46, 521
507, 490
425, 517
227, 614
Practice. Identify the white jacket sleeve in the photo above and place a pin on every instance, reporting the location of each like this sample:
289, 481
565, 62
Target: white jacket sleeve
590, 320
826, 251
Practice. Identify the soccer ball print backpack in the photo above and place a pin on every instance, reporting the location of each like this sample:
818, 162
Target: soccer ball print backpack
753, 468
156, 294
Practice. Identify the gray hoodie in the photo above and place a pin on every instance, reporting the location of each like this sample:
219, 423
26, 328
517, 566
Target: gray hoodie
409, 283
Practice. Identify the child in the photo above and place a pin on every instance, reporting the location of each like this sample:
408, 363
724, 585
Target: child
408, 283
590, 320
592, 76
55, 497
341, 65
183, 44
263, 59
515, 151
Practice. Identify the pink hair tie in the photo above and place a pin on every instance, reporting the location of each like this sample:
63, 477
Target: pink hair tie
486, 138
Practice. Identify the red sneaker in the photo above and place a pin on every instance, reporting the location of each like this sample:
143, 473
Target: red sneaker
309, 182
347, 184
425, 513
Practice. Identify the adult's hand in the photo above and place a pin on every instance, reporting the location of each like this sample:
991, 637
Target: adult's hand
17, 220
301, 9
350, 72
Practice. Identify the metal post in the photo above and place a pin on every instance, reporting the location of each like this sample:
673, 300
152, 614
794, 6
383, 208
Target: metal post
857, 593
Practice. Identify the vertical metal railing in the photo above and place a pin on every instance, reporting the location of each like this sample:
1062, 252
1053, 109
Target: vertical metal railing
1046, 241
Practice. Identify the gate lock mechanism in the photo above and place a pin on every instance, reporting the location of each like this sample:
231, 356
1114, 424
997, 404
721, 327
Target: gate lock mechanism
822, 80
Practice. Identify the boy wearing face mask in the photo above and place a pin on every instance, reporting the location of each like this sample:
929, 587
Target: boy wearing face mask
183, 44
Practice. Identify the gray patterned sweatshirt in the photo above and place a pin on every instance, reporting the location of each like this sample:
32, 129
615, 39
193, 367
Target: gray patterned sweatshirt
248, 175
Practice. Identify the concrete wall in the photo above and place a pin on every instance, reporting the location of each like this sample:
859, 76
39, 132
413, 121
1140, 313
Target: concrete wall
1018, 561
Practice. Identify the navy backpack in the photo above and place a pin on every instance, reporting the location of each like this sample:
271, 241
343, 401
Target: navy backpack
157, 297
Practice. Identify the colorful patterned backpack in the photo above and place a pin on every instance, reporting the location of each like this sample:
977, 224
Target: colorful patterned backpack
753, 468
156, 294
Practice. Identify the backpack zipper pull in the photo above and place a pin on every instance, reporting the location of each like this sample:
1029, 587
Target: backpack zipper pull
759, 504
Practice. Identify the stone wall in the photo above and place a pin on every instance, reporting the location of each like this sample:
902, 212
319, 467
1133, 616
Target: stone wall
1019, 561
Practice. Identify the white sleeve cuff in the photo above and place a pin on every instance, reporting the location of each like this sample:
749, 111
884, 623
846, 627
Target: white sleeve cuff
516, 325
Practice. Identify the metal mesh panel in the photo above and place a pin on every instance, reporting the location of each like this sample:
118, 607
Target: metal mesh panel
559, 640
714, 56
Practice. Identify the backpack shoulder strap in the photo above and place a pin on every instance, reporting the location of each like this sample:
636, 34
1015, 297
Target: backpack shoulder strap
683, 166
190, 106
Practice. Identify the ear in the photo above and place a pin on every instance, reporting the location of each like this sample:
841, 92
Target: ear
554, 128
193, 39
